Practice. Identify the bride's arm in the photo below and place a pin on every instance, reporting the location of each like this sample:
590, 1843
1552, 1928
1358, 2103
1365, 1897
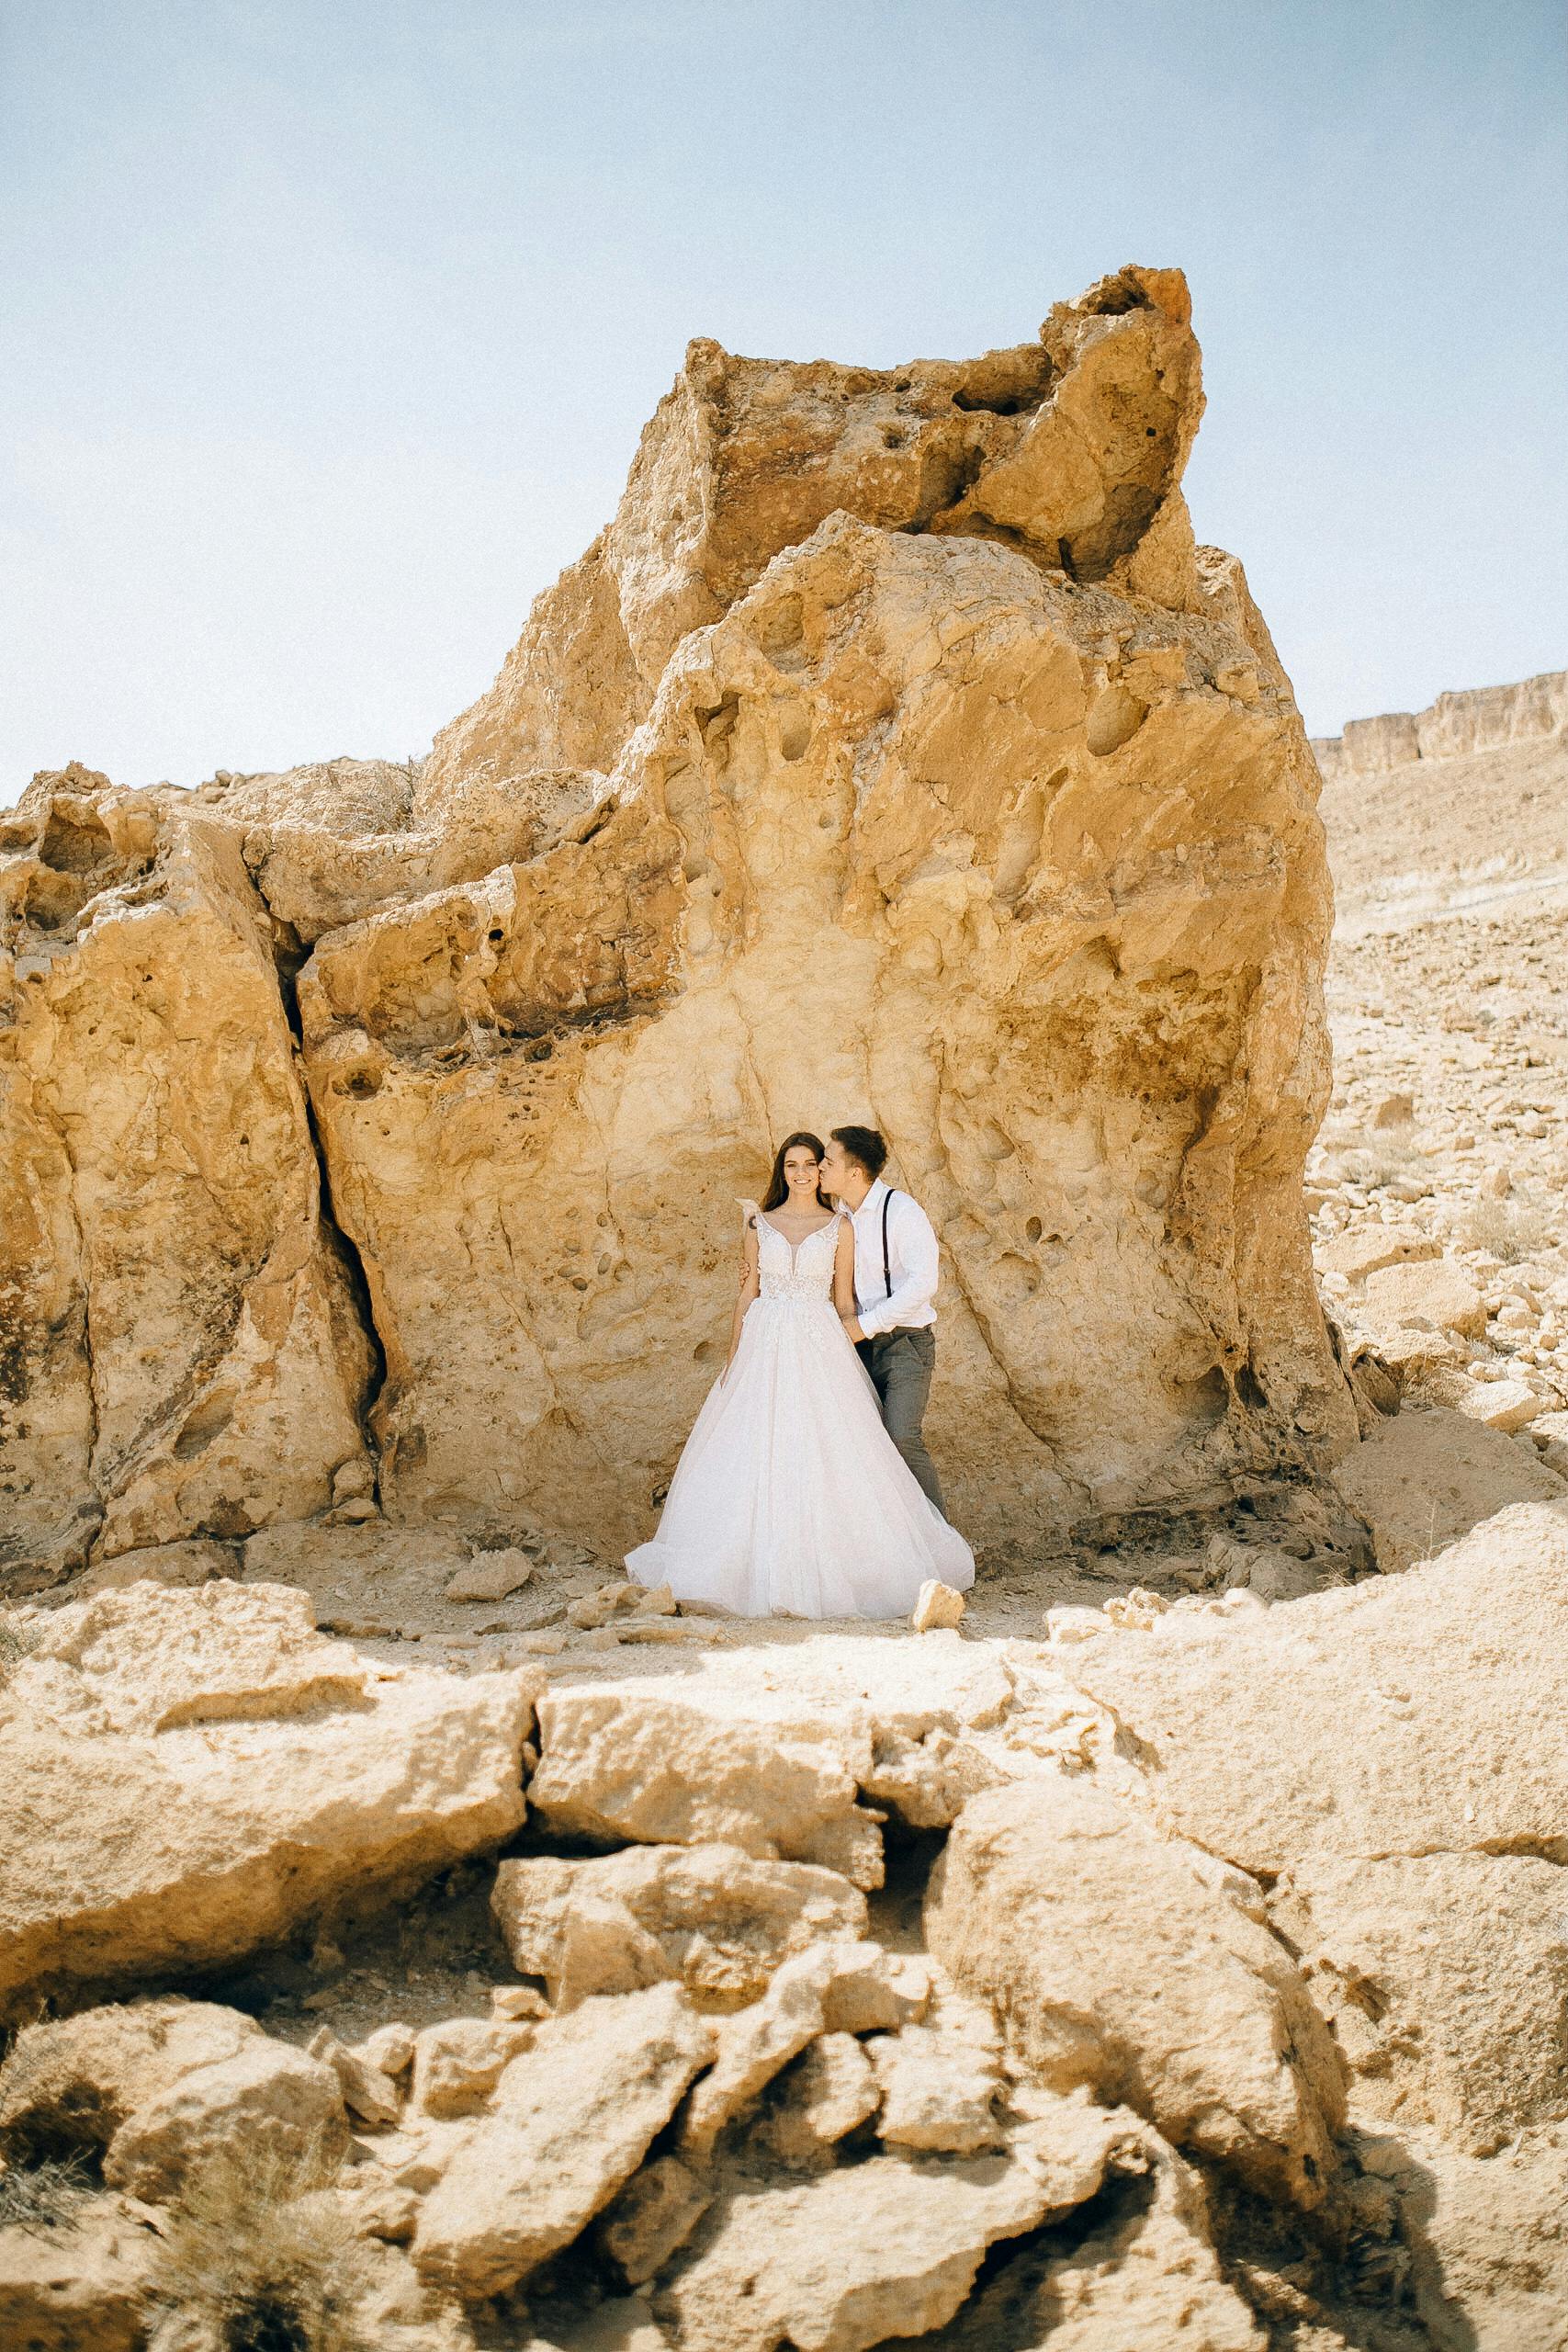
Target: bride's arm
844, 1278
747, 1292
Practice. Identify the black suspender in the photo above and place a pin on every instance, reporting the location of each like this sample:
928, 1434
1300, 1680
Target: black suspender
887, 1264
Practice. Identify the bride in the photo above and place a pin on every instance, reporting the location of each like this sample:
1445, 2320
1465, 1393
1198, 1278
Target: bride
790, 1498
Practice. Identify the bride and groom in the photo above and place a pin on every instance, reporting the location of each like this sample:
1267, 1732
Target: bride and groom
805, 1488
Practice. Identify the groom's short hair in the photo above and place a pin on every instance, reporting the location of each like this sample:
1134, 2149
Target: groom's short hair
865, 1146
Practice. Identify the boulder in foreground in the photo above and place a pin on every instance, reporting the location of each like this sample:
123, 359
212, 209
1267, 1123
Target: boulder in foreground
192, 1773
1122, 1964
1422, 1480
1409, 1714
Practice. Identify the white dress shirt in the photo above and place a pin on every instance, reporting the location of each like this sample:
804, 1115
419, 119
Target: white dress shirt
911, 1258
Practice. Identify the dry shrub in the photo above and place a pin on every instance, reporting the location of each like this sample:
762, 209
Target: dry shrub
1372, 1159
258, 2255
18, 1640
1509, 1232
43, 2197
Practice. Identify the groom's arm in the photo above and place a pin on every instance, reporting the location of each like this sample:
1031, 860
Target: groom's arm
918, 1272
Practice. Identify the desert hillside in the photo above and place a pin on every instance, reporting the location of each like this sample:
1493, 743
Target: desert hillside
1448, 995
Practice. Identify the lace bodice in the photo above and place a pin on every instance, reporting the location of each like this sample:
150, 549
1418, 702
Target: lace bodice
803, 1273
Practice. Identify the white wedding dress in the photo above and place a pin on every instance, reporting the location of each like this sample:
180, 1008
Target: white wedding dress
791, 1498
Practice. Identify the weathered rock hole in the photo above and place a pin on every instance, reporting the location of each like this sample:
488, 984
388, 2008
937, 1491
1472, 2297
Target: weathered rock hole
1115, 716
74, 844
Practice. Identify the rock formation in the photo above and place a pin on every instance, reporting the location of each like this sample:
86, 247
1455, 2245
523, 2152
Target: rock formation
1184, 1967
371, 1138
1482, 719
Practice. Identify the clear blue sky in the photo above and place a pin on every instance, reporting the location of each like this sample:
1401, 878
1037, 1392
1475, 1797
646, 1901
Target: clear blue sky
330, 327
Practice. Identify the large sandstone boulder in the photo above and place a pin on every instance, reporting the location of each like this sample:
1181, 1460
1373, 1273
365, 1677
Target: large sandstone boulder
710, 1915
1405, 1715
894, 750
890, 2247
1488, 2239
1121, 1966
1387, 1759
268, 2105
1146, 2275
79, 2284
191, 1773
68, 2084
573, 2117
1445, 1977
772, 1751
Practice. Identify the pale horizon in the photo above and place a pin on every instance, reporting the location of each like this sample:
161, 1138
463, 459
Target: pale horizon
332, 330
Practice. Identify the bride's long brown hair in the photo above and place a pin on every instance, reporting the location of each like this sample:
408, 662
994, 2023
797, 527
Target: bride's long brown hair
778, 1187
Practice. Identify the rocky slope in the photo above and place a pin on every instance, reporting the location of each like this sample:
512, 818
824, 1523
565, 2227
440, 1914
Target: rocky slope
1188, 1975
1438, 1185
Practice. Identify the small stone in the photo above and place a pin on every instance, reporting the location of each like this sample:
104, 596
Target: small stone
353, 1479
458, 2063
1139, 1608
754, 2044
367, 2091
673, 1630
385, 2210
515, 2002
865, 1993
390, 2049
1506, 1405
938, 2086
596, 1609
829, 2092
937, 1606
1395, 1110
491, 1577
1550, 1437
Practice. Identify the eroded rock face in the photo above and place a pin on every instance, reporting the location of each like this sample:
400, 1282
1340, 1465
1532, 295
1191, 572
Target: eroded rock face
918, 778
1069, 445
893, 752
180, 1353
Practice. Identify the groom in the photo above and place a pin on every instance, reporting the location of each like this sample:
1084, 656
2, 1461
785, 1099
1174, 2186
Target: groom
896, 1279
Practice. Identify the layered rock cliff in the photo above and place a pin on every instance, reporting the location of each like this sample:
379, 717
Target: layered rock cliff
371, 1137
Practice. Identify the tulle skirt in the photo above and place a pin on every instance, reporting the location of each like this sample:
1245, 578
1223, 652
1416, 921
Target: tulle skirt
790, 1497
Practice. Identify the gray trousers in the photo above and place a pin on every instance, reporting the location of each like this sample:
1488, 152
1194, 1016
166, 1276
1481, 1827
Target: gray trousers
900, 1364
